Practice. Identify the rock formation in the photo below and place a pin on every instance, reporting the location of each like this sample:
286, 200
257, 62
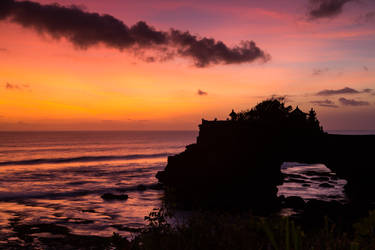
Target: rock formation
236, 162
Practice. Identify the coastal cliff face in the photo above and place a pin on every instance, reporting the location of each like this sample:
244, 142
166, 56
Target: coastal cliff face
236, 163
225, 167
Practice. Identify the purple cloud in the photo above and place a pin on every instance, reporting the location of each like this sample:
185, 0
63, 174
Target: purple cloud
201, 92
352, 102
346, 90
326, 8
325, 103
317, 72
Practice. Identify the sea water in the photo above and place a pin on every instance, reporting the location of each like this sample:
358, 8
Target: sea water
59, 177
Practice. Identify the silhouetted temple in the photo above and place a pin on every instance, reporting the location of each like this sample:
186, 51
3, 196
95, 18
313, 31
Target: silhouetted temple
237, 161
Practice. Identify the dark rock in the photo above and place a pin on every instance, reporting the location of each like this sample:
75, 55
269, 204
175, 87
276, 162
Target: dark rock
295, 202
157, 186
331, 208
295, 180
109, 197
326, 185
298, 176
141, 187
322, 178
88, 211
127, 229
306, 185
246, 154
315, 173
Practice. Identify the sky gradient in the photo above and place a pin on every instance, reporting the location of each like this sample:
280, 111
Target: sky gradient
319, 54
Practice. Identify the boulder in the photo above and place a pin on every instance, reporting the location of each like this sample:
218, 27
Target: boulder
294, 202
109, 197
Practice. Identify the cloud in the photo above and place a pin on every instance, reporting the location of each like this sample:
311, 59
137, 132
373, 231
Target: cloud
352, 102
365, 68
366, 18
328, 92
317, 72
367, 90
3, 50
325, 103
346, 90
10, 86
85, 29
326, 8
201, 92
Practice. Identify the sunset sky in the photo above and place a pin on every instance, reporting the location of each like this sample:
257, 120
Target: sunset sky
77, 74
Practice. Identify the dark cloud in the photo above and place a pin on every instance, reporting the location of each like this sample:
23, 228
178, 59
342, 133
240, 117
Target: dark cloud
352, 102
325, 103
3, 50
326, 8
201, 92
317, 72
365, 68
10, 86
367, 90
366, 18
86, 29
346, 90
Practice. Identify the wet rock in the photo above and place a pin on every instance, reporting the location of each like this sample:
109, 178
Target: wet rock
141, 187
109, 197
127, 229
326, 185
322, 178
295, 176
295, 180
334, 177
315, 173
88, 211
156, 186
306, 185
40, 228
295, 202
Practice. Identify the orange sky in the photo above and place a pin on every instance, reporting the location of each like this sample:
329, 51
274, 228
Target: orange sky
50, 84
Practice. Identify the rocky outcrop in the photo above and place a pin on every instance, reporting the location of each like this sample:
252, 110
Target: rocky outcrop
237, 162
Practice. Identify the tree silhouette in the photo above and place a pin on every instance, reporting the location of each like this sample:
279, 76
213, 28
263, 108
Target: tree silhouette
273, 113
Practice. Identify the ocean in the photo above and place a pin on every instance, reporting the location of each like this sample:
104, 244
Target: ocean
59, 177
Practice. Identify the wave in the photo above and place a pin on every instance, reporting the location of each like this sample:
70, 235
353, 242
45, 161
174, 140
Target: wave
17, 196
83, 159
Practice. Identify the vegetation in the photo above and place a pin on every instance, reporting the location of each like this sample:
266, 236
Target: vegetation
212, 230
245, 231
274, 111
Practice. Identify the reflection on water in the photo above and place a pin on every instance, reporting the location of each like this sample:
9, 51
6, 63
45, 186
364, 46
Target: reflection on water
59, 177
69, 195
311, 181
